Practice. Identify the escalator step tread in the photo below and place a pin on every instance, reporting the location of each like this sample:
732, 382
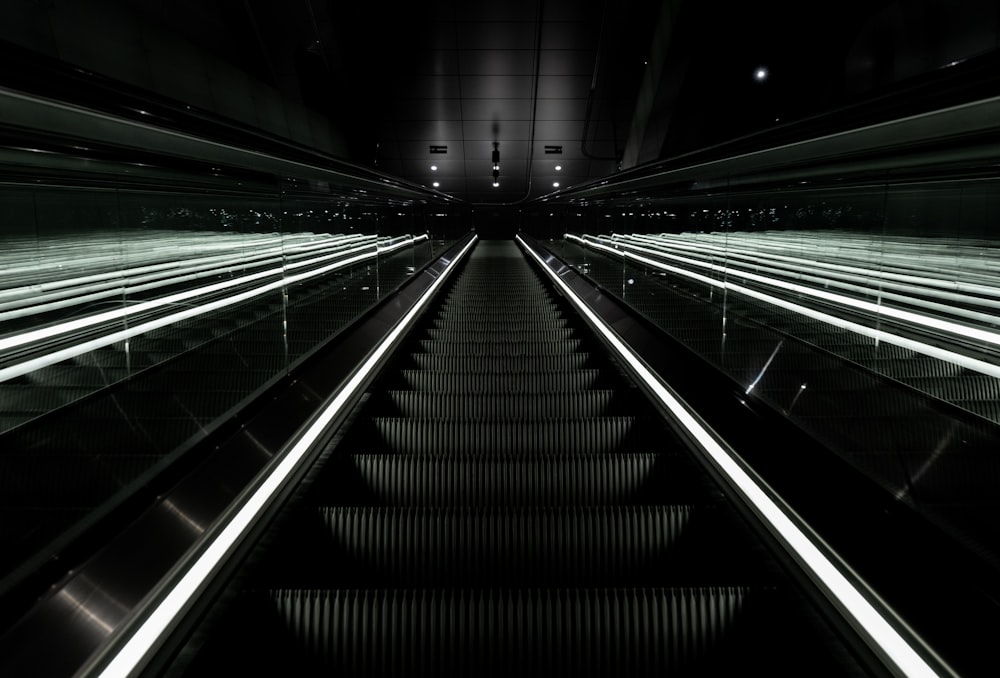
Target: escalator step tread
479, 545
468, 406
529, 382
538, 347
501, 632
500, 364
484, 337
479, 478
408, 435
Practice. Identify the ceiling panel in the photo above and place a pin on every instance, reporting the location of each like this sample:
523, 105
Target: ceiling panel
563, 86
567, 62
511, 152
427, 109
421, 166
548, 164
570, 148
546, 130
429, 130
498, 35
498, 62
561, 109
497, 87
418, 149
507, 11
496, 109
509, 130
432, 62
571, 35
427, 87
434, 33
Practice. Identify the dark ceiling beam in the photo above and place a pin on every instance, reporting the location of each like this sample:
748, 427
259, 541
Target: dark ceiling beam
659, 88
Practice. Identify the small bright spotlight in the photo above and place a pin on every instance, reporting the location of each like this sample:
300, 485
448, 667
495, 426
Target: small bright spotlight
760, 75
496, 184
558, 168
434, 168
555, 184
436, 184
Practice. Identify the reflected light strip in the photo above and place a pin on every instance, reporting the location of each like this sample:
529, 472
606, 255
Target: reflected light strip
71, 292
54, 357
966, 331
928, 288
145, 256
869, 622
763, 370
136, 649
980, 366
117, 314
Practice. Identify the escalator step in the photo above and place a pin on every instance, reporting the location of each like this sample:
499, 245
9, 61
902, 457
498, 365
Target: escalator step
500, 364
623, 632
462, 382
474, 335
567, 546
478, 306
409, 436
540, 346
577, 405
505, 480
500, 325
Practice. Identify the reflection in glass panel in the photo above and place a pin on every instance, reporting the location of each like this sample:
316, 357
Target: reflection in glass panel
856, 313
132, 324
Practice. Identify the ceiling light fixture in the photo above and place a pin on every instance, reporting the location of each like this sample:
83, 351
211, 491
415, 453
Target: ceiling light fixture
558, 168
555, 184
434, 168
436, 184
496, 164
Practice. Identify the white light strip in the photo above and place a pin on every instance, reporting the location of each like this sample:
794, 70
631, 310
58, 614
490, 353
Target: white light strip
71, 292
974, 364
863, 615
146, 255
965, 331
858, 279
135, 650
57, 356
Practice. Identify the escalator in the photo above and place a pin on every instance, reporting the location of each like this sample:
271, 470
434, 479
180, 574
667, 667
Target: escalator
505, 501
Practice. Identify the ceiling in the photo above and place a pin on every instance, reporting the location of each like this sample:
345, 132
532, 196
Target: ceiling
609, 83
551, 85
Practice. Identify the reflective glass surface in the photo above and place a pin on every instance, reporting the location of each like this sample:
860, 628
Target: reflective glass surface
867, 315
134, 322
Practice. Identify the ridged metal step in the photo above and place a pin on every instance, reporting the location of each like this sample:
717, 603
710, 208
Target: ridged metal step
500, 364
522, 347
409, 436
463, 382
500, 324
487, 546
576, 405
478, 479
476, 335
457, 632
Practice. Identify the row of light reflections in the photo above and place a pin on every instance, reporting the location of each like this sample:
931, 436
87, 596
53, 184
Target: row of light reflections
936, 297
64, 297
